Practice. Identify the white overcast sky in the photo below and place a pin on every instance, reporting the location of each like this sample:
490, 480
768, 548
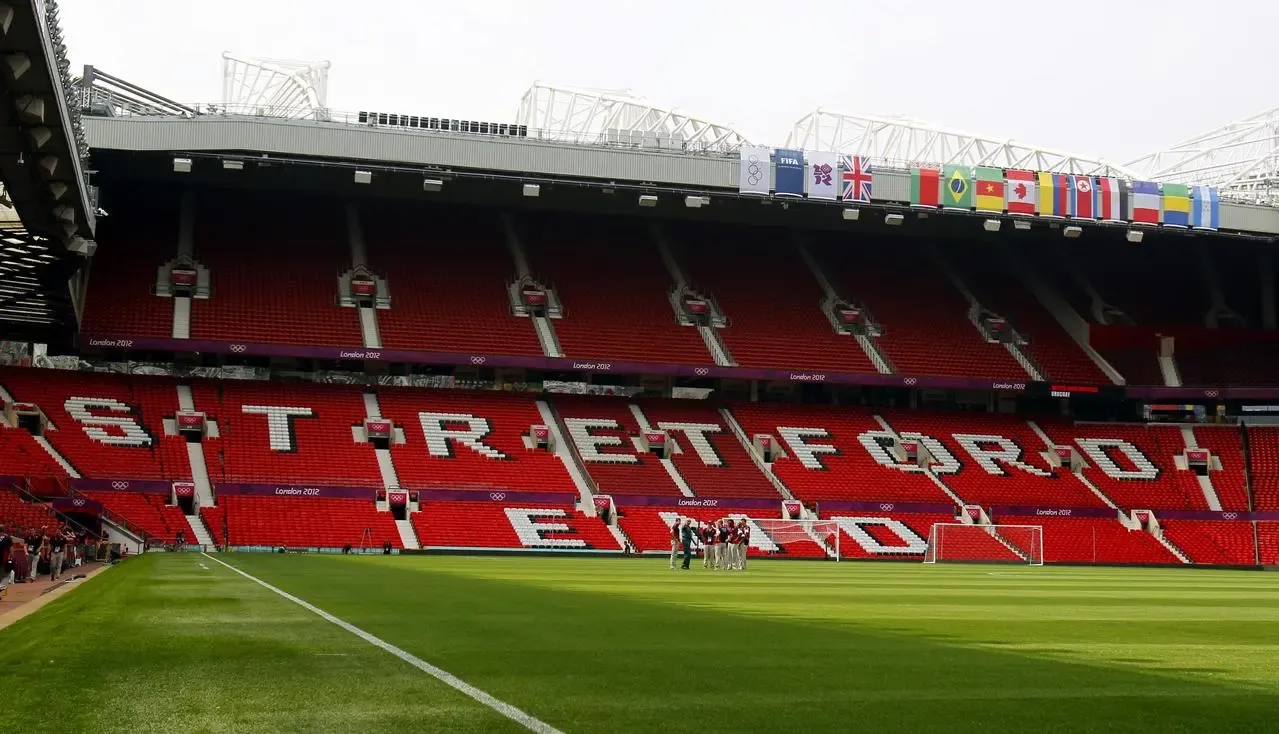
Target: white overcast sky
1108, 78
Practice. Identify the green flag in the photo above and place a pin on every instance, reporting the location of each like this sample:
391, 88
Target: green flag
957, 187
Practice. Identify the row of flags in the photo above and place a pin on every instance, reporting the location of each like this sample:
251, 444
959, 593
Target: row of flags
831, 177
826, 176
1062, 196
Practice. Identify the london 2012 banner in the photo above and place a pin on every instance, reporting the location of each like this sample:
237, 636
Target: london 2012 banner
755, 176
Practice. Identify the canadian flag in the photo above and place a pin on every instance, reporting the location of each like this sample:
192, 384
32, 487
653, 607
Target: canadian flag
1019, 188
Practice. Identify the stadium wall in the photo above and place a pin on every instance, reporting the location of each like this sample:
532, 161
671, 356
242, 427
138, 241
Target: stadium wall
515, 156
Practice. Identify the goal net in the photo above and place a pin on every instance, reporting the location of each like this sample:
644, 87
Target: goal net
798, 538
963, 543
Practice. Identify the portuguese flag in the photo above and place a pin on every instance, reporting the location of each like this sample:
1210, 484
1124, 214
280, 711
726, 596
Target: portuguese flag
925, 187
990, 189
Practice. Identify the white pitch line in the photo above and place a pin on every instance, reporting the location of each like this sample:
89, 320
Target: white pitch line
514, 714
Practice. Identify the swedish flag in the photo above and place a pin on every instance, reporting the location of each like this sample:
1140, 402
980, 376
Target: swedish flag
957, 188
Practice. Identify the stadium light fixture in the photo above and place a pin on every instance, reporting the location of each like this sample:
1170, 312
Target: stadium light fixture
894, 220
991, 225
363, 177
1021, 224
648, 200
850, 214
432, 184
229, 165
1134, 236
532, 190
1072, 231
696, 202
181, 165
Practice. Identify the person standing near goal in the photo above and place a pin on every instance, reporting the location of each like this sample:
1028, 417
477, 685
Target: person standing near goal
744, 542
704, 533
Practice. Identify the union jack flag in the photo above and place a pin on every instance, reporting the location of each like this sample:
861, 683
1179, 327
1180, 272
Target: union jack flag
855, 174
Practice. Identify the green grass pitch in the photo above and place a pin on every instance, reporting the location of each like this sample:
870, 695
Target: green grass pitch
178, 643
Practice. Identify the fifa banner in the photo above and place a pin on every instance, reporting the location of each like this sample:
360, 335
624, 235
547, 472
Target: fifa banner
790, 172
823, 175
755, 171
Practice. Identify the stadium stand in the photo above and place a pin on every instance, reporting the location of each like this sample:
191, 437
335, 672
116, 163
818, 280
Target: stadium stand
1171, 294
615, 290
1268, 543
475, 441
307, 522
1263, 457
145, 512
1096, 540
301, 434
827, 458
498, 526
20, 455
713, 463
1231, 483
101, 429
604, 431
455, 300
927, 331
1212, 542
1002, 291
975, 440
17, 512
1131, 464
288, 295
140, 235
771, 300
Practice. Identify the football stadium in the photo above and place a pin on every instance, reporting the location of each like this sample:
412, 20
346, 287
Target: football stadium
606, 417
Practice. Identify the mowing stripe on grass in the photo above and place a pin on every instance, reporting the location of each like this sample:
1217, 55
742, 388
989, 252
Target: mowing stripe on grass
527, 721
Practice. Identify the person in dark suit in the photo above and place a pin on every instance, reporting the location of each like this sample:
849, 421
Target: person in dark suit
686, 536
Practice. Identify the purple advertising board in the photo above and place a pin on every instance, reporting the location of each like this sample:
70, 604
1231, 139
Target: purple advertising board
424, 495
290, 490
1028, 511
470, 495
828, 506
546, 363
145, 486
77, 504
636, 500
7, 481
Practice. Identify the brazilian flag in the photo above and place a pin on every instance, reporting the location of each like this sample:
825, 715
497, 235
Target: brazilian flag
957, 188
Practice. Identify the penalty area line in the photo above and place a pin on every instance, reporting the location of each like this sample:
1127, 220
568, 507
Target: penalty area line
514, 714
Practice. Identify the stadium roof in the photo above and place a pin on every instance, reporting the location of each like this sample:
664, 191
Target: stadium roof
1241, 159
591, 115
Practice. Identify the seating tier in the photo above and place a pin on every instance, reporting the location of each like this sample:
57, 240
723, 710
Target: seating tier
307, 522
447, 271
535, 526
140, 235
827, 456
147, 513
927, 331
604, 431
713, 461
475, 441
978, 472
1133, 465
261, 445
289, 293
771, 300
1213, 542
614, 289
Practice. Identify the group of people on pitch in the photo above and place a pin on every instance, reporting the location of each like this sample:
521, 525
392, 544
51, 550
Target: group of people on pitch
26, 553
723, 542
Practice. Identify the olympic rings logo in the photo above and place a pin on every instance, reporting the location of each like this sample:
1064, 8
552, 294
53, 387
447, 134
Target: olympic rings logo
119, 485
702, 371
78, 502
910, 381
479, 360
497, 496
754, 171
886, 507
239, 348
1229, 516
1212, 393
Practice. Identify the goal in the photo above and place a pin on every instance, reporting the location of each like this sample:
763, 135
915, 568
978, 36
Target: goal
797, 538
963, 543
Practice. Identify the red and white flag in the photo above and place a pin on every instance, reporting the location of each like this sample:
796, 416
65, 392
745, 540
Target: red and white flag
1019, 188
1109, 200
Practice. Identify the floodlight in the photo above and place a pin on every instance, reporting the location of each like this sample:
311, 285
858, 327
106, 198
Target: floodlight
1135, 235
532, 190
181, 165
432, 184
647, 200
1072, 231
850, 214
363, 177
991, 225
894, 220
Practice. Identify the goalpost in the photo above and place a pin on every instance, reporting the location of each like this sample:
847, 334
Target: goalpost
780, 533
963, 543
